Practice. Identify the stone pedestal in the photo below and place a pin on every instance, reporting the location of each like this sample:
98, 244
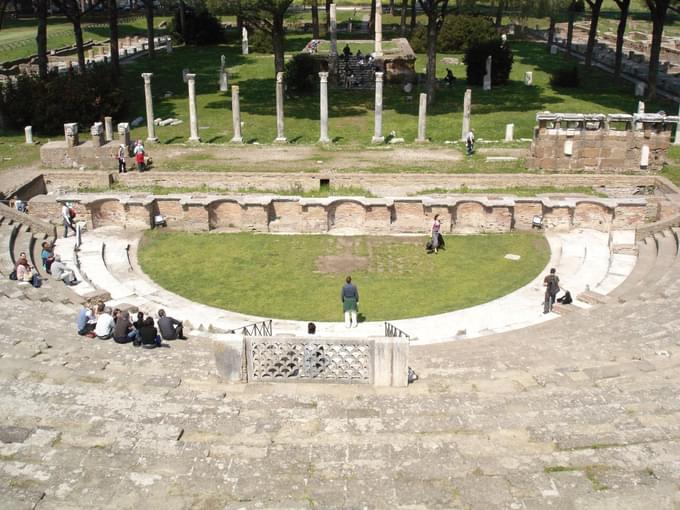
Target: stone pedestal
280, 137
224, 81
71, 134
467, 107
422, 112
378, 29
28, 132
509, 132
168, 45
193, 113
97, 132
640, 89
108, 129
124, 133
644, 156
244, 41
148, 98
377, 132
236, 114
553, 49
528, 78
323, 106
185, 72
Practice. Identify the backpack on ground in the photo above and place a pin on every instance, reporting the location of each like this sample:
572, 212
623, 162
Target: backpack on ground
36, 281
13, 275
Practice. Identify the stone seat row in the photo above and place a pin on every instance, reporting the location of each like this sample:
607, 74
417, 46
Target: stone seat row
584, 259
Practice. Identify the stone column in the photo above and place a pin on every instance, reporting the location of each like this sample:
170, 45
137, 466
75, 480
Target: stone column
334, 31
487, 76
528, 78
224, 81
244, 41
280, 137
168, 45
377, 132
28, 131
124, 134
97, 132
676, 141
108, 129
422, 112
71, 134
193, 115
467, 107
236, 115
148, 98
509, 132
323, 102
378, 29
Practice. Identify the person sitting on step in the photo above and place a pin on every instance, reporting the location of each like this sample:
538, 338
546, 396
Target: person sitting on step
105, 325
148, 334
171, 329
61, 272
86, 321
124, 332
23, 268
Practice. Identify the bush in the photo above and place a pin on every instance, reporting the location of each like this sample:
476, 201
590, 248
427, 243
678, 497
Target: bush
457, 33
301, 73
260, 41
475, 60
202, 28
565, 77
48, 104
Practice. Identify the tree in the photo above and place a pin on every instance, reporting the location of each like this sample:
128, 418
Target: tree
500, 8
71, 9
658, 9
113, 40
413, 15
436, 11
624, 6
595, 6
371, 18
268, 15
315, 19
402, 21
148, 7
3, 7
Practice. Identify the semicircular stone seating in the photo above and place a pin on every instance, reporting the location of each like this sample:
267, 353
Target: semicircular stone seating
589, 263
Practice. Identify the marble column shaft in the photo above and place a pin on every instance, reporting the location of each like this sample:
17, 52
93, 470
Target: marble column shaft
236, 114
422, 118
108, 129
676, 141
377, 132
280, 137
323, 105
467, 106
193, 114
150, 126
378, 28
28, 132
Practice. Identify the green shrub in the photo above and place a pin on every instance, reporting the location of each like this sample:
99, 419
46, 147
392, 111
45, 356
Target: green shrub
260, 41
567, 77
202, 28
48, 104
475, 60
301, 73
457, 33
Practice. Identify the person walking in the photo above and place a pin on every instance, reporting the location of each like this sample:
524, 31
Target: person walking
121, 159
470, 142
349, 295
552, 287
436, 227
68, 215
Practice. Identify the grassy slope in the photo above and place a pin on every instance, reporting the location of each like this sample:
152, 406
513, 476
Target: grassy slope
275, 276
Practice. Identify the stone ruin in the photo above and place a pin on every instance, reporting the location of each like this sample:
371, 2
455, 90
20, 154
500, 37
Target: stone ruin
598, 143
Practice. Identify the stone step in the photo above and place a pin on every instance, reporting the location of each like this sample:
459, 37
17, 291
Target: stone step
647, 252
594, 298
561, 309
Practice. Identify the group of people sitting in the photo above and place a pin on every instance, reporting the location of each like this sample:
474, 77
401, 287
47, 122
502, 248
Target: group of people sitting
347, 73
96, 320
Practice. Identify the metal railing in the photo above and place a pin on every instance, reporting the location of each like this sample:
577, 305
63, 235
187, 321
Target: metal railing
263, 328
392, 331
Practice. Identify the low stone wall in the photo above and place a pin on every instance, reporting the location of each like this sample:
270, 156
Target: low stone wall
577, 142
379, 361
351, 215
60, 155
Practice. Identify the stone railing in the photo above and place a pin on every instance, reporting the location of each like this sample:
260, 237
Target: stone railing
601, 143
352, 215
377, 361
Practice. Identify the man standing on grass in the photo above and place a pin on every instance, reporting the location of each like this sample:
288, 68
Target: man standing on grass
349, 295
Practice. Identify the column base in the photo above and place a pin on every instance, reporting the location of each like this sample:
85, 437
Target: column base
422, 140
236, 139
154, 140
281, 139
324, 140
378, 139
195, 139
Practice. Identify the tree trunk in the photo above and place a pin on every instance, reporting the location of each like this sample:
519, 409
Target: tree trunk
328, 16
570, 30
499, 13
41, 37
78, 33
551, 32
391, 7
3, 6
277, 42
149, 28
315, 19
431, 82
182, 20
113, 28
658, 10
595, 7
620, 31
371, 19
413, 16
402, 24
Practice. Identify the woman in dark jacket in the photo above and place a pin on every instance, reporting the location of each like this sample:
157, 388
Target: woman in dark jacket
149, 334
123, 331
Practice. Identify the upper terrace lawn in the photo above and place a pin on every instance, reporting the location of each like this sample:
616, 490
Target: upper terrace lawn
351, 111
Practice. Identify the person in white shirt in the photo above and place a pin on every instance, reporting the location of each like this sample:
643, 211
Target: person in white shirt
105, 324
67, 216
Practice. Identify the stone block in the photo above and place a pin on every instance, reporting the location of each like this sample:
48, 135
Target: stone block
71, 134
229, 356
390, 366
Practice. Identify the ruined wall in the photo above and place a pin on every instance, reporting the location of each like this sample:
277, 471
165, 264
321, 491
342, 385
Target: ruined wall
599, 143
460, 214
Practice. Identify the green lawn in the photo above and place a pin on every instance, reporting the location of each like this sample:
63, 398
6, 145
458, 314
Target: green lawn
284, 276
